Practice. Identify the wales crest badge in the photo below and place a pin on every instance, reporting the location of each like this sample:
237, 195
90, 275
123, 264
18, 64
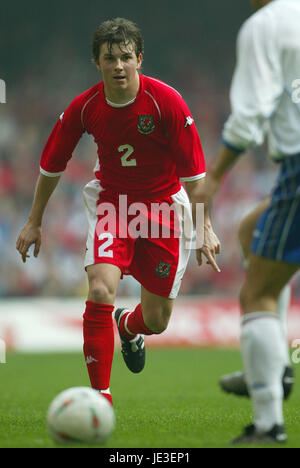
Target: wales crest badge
146, 124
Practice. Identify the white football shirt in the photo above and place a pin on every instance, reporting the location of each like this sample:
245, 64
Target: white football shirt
265, 89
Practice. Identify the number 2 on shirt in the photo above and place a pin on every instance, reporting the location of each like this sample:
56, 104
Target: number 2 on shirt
128, 152
102, 252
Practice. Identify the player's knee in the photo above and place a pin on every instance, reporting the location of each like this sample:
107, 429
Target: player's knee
157, 326
244, 297
158, 320
257, 298
101, 292
249, 295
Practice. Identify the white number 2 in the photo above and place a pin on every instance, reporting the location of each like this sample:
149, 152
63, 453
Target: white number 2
128, 152
101, 251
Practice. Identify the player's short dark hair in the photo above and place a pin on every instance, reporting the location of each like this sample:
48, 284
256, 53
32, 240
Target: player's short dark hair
117, 31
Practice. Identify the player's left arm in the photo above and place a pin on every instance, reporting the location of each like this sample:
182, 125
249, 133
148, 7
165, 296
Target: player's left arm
190, 168
211, 244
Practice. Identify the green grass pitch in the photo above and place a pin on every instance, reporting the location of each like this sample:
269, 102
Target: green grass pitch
174, 403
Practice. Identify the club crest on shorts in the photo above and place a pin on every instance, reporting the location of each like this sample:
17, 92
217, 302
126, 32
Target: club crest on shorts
163, 269
146, 124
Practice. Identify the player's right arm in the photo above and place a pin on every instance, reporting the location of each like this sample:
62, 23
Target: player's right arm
31, 232
57, 152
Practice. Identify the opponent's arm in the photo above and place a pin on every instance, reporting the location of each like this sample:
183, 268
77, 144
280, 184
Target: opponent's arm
31, 232
211, 244
225, 159
255, 87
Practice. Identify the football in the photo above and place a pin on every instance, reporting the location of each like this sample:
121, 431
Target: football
80, 415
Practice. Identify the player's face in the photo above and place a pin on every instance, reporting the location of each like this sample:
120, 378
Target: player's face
119, 67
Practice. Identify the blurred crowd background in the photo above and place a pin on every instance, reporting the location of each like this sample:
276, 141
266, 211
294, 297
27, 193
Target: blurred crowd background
45, 61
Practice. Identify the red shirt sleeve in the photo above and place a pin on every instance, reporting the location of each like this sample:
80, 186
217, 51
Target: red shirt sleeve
62, 140
184, 139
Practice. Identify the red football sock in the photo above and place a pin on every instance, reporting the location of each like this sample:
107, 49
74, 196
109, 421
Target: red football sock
132, 323
98, 344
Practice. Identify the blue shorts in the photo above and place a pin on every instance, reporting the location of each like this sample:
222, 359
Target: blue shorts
277, 233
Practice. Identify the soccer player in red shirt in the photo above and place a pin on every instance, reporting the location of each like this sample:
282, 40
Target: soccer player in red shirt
147, 145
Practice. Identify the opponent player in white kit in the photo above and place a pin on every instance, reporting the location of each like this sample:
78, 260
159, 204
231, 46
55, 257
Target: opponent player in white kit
268, 63
147, 144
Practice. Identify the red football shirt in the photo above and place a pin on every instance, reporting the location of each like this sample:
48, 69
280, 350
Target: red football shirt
144, 147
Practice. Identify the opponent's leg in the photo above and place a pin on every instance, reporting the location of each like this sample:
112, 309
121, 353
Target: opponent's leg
98, 331
235, 382
247, 227
245, 234
263, 346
